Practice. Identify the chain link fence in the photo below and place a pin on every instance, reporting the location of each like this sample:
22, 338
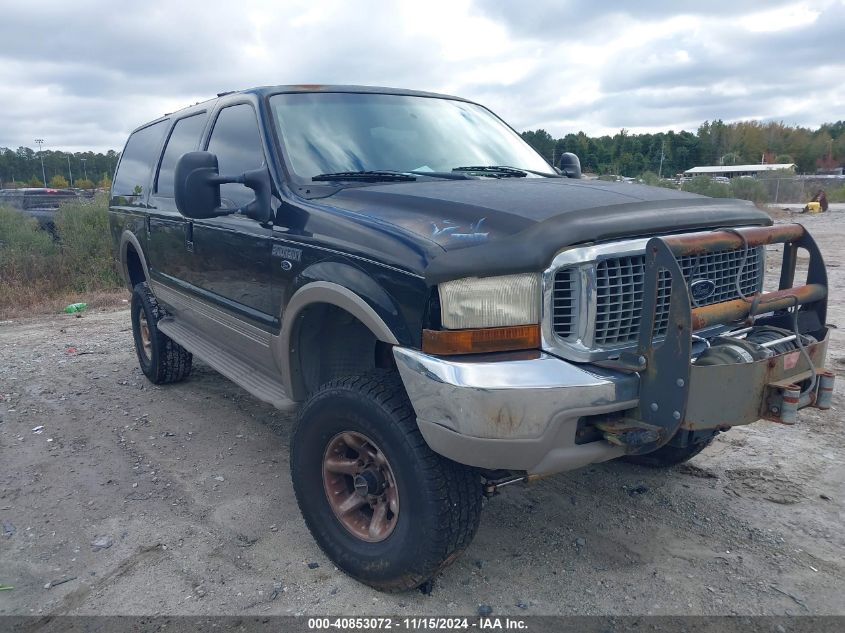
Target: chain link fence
799, 189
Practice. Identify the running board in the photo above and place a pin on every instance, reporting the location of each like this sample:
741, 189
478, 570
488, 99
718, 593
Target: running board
261, 385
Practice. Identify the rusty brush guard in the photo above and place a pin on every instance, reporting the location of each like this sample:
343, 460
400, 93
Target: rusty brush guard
676, 394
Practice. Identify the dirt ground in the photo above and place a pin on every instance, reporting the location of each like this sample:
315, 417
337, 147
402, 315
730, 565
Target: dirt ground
136, 499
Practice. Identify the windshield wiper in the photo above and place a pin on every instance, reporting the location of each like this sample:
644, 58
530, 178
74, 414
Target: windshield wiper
496, 171
366, 176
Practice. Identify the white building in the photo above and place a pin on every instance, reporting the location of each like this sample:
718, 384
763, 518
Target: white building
732, 171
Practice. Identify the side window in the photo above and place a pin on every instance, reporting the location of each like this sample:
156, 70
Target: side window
136, 163
184, 138
236, 141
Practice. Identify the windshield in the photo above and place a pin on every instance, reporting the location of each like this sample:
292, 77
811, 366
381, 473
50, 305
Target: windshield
326, 133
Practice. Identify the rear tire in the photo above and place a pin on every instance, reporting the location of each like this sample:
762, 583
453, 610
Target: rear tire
161, 359
668, 456
359, 420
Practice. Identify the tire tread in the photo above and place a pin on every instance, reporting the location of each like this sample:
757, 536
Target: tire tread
174, 361
457, 488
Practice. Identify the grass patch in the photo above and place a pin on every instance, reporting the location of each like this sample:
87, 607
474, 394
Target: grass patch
836, 195
37, 269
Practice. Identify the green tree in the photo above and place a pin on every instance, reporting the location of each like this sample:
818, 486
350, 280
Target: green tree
541, 141
58, 182
85, 183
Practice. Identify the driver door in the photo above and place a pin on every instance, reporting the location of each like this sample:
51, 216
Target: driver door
230, 255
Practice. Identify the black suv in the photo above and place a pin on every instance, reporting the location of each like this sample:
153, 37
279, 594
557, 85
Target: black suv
455, 313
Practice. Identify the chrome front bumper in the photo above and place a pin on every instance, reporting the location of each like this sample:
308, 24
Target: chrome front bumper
521, 410
515, 410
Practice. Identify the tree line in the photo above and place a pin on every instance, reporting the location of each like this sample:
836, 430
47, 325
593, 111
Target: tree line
625, 154
714, 143
85, 170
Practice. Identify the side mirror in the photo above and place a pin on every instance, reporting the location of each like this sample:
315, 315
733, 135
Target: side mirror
569, 165
197, 188
197, 185
259, 181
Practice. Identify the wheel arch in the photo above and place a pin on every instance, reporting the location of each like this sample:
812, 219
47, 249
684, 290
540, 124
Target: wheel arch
314, 295
133, 263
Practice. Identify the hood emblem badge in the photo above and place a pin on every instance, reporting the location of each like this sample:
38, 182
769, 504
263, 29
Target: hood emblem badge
702, 289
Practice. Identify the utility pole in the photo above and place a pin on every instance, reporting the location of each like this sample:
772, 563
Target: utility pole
84, 170
40, 142
69, 172
660, 169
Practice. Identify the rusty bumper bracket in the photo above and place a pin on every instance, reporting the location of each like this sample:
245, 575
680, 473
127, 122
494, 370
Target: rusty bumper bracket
665, 366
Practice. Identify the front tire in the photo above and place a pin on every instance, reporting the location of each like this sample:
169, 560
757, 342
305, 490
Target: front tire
382, 505
161, 359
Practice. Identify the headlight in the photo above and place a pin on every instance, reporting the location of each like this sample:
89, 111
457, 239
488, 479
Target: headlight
490, 301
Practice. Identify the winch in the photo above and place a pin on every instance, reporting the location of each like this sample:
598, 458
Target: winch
758, 343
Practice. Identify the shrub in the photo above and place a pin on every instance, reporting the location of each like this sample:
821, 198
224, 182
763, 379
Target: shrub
59, 182
27, 254
35, 267
707, 187
650, 178
82, 229
749, 189
836, 195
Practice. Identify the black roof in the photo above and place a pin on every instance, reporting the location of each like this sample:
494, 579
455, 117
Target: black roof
263, 91
268, 90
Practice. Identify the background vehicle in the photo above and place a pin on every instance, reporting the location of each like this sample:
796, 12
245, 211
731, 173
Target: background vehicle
38, 202
452, 311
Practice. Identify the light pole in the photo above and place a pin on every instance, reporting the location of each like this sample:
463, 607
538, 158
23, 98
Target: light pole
660, 169
69, 172
84, 170
40, 142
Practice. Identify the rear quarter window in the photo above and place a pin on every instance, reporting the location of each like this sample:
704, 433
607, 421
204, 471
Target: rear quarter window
136, 162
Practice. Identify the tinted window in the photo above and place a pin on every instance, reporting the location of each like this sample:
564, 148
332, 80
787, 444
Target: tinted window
137, 160
330, 132
184, 138
237, 143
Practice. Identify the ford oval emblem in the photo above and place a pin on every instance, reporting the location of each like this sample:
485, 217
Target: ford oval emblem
702, 289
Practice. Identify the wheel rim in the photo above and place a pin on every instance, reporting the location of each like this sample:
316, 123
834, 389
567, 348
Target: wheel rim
146, 338
360, 486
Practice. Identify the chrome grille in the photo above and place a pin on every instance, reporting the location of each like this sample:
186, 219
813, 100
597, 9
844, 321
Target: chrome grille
563, 303
619, 290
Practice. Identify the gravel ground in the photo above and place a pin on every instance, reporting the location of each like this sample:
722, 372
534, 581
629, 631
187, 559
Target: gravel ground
119, 497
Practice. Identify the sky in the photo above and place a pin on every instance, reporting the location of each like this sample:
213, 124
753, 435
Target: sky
82, 75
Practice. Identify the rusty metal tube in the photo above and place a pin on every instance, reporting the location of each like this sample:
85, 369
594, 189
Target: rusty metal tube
790, 397
824, 398
728, 311
699, 243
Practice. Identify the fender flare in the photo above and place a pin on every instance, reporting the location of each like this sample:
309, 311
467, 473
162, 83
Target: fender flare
128, 238
318, 292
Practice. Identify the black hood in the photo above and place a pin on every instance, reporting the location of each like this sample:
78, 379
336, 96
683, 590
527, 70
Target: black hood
491, 226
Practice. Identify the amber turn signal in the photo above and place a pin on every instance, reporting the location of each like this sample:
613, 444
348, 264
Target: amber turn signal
491, 339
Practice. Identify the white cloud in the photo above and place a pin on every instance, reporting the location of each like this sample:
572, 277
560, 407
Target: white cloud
82, 75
